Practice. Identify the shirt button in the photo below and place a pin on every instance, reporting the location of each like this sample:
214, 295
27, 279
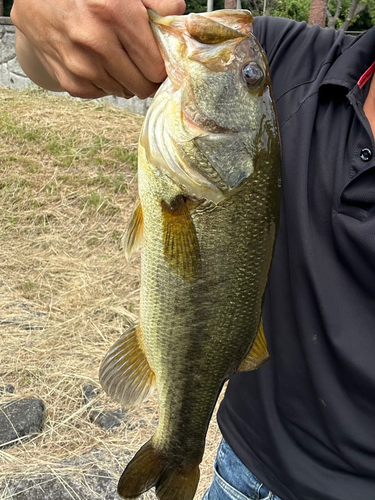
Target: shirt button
365, 154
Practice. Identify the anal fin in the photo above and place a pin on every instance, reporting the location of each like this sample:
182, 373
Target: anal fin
125, 374
258, 353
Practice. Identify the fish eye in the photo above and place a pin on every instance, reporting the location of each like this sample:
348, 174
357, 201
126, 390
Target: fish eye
253, 74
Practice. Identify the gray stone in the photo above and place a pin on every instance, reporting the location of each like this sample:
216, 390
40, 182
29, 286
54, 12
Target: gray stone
86, 477
7, 389
93, 476
14, 67
4, 75
108, 420
6, 20
17, 82
19, 419
90, 392
7, 51
134, 104
66, 487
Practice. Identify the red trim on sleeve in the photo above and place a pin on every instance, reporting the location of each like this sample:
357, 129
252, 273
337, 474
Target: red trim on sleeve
366, 76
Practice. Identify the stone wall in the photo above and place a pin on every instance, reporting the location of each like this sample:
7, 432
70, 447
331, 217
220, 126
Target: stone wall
12, 76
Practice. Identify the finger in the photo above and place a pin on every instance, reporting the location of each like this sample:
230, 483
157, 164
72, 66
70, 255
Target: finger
84, 76
114, 88
139, 42
146, 54
128, 75
75, 85
104, 64
166, 7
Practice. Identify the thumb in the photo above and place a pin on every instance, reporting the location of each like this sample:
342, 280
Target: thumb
166, 7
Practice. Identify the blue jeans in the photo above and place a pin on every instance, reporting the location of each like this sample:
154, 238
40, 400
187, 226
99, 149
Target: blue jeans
233, 481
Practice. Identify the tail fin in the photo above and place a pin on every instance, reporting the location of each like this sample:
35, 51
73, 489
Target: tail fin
149, 468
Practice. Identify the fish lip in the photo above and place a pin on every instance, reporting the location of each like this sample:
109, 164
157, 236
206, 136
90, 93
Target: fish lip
152, 15
161, 20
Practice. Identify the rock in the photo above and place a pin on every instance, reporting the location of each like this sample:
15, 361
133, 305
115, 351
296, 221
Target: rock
134, 104
108, 420
7, 389
90, 392
91, 480
8, 50
19, 419
93, 476
14, 67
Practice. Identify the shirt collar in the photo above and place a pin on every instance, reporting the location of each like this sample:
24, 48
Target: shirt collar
356, 64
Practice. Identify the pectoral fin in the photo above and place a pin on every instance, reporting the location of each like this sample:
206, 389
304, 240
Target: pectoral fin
181, 247
133, 236
258, 353
125, 374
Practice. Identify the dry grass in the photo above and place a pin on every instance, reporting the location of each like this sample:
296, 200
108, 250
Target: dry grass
67, 185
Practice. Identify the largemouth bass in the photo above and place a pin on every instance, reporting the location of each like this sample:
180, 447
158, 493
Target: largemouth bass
207, 216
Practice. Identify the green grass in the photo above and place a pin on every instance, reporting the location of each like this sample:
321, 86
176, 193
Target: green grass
82, 154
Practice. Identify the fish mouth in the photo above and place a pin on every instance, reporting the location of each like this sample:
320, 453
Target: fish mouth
161, 20
204, 37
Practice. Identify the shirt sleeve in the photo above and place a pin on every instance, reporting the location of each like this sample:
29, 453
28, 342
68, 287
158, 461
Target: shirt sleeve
297, 52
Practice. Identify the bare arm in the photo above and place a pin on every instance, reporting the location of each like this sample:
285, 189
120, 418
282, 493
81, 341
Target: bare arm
32, 66
91, 48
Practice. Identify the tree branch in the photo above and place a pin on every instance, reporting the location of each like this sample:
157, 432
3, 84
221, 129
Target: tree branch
338, 9
351, 15
332, 20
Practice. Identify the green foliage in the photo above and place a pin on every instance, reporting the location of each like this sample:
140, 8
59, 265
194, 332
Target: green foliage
293, 9
365, 20
195, 6
296, 9
201, 5
7, 6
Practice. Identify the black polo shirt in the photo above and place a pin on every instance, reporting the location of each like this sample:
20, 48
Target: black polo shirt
304, 423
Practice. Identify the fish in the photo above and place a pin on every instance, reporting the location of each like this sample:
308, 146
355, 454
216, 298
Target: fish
206, 222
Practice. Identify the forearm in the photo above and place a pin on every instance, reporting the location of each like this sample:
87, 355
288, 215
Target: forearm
32, 66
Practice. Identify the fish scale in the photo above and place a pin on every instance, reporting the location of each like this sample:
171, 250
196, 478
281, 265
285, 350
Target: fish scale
206, 221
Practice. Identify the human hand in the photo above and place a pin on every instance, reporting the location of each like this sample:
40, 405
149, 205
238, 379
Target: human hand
93, 48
